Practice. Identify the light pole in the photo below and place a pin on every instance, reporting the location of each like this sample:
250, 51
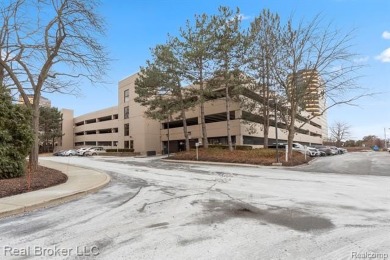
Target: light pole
169, 118
385, 138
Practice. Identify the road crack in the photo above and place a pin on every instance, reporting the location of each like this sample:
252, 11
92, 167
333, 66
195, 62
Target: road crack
132, 197
179, 197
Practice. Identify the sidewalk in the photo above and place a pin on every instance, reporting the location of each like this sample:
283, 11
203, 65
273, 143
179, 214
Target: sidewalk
81, 181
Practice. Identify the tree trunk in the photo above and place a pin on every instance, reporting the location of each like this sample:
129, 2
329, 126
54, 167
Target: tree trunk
33, 158
291, 132
203, 123
267, 96
229, 137
183, 116
202, 116
266, 117
266, 132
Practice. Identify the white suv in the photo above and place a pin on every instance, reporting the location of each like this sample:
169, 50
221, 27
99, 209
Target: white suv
302, 149
93, 151
81, 151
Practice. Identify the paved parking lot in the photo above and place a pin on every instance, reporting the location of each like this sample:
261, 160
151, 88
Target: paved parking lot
335, 208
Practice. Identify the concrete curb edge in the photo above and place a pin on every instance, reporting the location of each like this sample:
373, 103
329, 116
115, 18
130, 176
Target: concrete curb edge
58, 200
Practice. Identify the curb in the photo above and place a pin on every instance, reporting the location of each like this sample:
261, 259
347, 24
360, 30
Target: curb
226, 163
238, 164
56, 200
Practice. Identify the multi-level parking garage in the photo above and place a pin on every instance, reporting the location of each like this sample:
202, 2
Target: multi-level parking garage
98, 128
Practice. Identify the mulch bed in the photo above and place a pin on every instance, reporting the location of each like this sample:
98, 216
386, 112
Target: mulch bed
42, 178
256, 156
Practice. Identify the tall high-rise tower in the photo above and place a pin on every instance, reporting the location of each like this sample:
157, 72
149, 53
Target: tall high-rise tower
313, 99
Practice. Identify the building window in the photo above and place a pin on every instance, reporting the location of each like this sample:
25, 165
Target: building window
253, 140
127, 129
127, 144
126, 112
126, 94
131, 144
104, 143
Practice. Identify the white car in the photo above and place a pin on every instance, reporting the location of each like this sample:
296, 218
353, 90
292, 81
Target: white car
93, 151
90, 152
334, 150
313, 151
81, 151
69, 153
308, 150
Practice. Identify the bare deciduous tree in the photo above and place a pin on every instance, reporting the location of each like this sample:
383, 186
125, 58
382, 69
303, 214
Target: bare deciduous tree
340, 131
324, 55
49, 46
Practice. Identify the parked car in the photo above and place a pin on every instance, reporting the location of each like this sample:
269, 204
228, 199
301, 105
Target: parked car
97, 148
81, 151
317, 151
90, 152
322, 153
313, 151
323, 149
59, 153
343, 150
334, 150
69, 153
93, 151
302, 149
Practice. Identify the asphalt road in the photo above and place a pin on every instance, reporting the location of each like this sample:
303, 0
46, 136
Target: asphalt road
159, 210
364, 163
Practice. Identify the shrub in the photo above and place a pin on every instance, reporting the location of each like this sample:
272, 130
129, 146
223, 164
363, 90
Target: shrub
243, 147
16, 136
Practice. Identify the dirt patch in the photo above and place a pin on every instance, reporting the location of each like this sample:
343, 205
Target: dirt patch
42, 178
221, 211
